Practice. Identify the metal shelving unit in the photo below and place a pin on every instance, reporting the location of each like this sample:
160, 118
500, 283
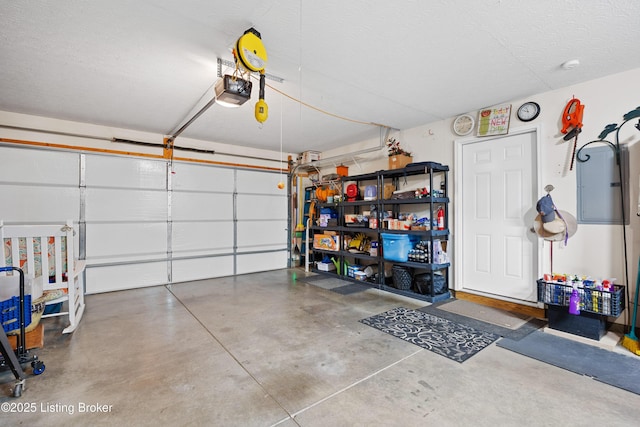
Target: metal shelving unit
431, 204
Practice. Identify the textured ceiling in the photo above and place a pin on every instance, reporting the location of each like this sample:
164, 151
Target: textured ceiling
146, 64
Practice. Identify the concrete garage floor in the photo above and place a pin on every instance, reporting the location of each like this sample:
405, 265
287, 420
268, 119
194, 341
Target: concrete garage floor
269, 349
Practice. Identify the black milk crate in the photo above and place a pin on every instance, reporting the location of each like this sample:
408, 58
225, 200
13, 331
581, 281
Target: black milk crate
606, 303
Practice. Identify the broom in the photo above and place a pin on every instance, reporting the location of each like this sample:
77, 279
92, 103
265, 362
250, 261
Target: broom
630, 340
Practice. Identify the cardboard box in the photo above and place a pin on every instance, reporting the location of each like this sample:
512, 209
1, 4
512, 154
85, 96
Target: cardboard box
352, 220
310, 156
398, 162
33, 339
326, 242
396, 224
324, 220
388, 190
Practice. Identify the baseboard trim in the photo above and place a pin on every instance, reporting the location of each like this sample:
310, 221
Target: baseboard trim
538, 313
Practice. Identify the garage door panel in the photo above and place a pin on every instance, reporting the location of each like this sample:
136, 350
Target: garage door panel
251, 263
199, 178
201, 206
123, 172
121, 277
257, 234
126, 241
260, 182
33, 204
204, 237
28, 166
116, 205
201, 268
251, 207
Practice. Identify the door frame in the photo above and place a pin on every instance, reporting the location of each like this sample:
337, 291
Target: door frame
459, 206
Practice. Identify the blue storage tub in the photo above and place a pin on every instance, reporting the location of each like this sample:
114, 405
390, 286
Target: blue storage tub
396, 247
10, 313
329, 211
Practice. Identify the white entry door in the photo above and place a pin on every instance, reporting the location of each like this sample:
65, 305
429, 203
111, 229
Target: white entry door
497, 186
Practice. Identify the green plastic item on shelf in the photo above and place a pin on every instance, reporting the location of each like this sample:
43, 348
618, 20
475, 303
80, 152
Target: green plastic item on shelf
340, 268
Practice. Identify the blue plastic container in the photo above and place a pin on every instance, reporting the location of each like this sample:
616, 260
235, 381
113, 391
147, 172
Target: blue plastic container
396, 247
10, 313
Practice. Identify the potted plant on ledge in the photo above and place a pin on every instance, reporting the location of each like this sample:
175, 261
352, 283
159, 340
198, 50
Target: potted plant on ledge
398, 157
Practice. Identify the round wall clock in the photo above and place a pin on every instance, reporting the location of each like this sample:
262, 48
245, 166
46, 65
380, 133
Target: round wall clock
528, 111
463, 124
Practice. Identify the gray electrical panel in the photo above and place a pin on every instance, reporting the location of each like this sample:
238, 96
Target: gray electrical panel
598, 180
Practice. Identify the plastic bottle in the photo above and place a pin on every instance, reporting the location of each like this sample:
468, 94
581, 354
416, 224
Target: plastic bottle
574, 301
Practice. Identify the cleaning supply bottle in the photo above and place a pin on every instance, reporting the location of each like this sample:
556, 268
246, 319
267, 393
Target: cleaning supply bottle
574, 300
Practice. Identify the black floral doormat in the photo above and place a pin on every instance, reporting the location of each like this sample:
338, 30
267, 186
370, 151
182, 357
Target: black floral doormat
444, 337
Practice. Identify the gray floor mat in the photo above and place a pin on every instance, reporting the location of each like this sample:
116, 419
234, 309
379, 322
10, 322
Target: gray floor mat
618, 370
487, 314
521, 332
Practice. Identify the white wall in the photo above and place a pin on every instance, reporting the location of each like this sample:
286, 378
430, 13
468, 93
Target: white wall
595, 250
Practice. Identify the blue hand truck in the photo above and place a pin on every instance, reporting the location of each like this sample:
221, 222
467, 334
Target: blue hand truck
15, 359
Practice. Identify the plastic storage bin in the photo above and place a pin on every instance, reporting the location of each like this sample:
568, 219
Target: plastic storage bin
10, 313
352, 269
396, 247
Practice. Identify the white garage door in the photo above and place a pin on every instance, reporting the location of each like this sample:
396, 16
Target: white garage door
140, 224
126, 216
202, 222
262, 222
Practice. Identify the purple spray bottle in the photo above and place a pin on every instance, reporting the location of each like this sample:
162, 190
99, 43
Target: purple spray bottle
574, 300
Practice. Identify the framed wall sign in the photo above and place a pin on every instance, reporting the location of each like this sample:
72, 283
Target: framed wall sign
494, 120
